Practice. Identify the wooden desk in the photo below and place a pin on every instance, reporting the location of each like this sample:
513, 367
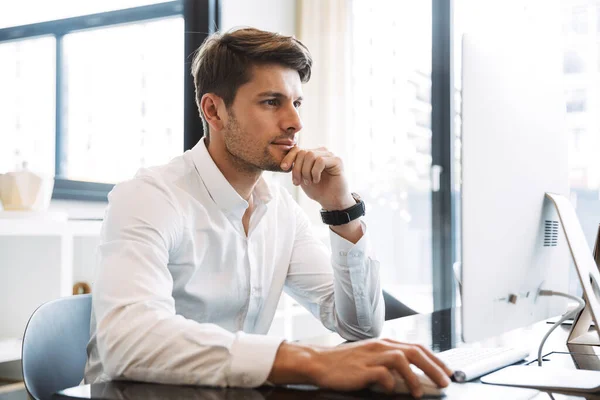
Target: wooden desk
439, 331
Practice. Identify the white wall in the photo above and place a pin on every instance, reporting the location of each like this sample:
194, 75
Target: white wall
271, 15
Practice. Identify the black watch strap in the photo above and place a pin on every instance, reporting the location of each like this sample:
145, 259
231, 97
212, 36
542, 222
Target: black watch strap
341, 217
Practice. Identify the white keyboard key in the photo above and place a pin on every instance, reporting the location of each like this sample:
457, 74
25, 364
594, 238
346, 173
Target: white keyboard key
470, 363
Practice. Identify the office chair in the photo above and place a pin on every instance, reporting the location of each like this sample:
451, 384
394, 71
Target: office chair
394, 308
54, 345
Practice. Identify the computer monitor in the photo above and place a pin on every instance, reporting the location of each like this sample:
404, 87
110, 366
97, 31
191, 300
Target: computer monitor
519, 230
514, 150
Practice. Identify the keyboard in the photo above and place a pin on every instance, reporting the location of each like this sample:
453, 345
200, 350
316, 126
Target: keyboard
471, 363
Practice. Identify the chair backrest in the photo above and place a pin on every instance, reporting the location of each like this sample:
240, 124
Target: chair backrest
394, 308
54, 345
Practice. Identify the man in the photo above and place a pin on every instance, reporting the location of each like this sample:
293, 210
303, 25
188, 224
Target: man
194, 255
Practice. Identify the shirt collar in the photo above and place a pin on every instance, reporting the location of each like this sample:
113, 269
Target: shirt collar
219, 188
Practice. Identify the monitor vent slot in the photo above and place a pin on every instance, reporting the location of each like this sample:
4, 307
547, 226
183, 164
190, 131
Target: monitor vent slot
551, 234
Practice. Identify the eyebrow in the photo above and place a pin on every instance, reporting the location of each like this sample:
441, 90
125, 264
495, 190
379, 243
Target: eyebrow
276, 95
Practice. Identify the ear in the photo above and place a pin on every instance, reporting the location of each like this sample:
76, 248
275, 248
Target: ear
213, 107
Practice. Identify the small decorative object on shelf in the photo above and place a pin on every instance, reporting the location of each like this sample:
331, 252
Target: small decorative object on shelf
81, 288
24, 190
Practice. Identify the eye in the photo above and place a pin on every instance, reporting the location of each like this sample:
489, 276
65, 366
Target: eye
272, 102
297, 104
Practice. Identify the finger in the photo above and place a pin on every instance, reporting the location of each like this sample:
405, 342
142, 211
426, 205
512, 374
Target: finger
436, 360
428, 352
322, 151
297, 169
307, 166
397, 360
418, 357
382, 377
317, 169
288, 160
333, 165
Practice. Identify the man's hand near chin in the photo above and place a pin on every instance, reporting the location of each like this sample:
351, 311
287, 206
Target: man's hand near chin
357, 365
320, 174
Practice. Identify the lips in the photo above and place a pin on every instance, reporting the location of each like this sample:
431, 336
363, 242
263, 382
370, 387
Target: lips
286, 142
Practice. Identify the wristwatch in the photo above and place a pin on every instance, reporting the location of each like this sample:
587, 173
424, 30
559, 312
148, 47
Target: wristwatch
341, 217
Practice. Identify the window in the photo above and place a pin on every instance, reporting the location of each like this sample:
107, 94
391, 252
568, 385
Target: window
584, 125
578, 149
573, 62
123, 99
27, 104
577, 18
576, 100
92, 91
390, 159
25, 12
582, 99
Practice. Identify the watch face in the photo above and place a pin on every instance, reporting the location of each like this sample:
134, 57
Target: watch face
356, 197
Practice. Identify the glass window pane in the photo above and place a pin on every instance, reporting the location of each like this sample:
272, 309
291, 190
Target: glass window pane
573, 62
27, 104
576, 100
391, 140
577, 18
583, 120
583, 99
14, 13
124, 99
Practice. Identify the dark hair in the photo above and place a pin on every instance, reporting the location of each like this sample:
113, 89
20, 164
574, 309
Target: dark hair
223, 62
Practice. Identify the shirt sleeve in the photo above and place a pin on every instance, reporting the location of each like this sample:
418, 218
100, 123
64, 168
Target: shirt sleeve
341, 288
139, 334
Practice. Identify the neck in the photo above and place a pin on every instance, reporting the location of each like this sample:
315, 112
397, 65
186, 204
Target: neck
241, 176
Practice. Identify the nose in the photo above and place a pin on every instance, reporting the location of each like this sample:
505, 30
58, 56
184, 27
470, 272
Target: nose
292, 122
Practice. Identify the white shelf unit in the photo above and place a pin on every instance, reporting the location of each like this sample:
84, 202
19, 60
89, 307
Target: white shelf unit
30, 227
37, 265
10, 350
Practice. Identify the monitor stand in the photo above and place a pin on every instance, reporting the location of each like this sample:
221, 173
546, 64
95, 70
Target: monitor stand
587, 270
566, 379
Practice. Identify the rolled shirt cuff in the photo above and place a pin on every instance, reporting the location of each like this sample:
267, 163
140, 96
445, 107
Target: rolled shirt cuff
252, 359
343, 251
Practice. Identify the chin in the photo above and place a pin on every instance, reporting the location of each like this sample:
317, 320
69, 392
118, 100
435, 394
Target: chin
273, 167
275, 159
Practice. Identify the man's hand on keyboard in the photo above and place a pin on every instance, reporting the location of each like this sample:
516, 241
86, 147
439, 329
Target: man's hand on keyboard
359, 365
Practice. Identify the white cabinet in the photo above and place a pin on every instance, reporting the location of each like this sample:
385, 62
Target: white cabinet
37, 265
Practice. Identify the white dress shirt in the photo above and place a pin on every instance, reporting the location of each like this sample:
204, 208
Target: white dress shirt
183, 296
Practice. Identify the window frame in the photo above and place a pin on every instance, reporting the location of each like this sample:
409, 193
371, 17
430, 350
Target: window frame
201, 18
443, 200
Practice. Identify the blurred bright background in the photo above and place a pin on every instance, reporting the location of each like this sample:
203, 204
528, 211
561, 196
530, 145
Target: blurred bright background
90, 104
